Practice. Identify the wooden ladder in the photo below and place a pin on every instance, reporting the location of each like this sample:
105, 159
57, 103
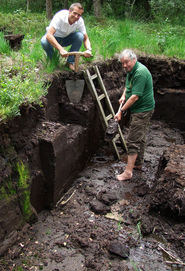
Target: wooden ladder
104, 98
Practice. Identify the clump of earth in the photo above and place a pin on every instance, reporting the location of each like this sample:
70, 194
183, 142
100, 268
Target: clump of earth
102, 224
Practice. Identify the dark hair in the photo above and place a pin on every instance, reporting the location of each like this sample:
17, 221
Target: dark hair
78, 5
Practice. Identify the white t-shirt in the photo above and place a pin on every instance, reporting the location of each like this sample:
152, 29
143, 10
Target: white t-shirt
62, 26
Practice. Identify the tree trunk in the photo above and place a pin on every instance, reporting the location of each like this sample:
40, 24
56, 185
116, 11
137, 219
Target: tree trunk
66, 4
146, 6
28, 5
131, 5
49, 9
97, 8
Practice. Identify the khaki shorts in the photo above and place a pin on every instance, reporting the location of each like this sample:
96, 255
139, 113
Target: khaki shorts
136, 139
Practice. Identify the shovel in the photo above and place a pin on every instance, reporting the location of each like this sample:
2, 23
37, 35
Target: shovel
112, 128
75, 87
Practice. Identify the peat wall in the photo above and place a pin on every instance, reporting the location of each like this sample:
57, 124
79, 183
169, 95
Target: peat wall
55, 142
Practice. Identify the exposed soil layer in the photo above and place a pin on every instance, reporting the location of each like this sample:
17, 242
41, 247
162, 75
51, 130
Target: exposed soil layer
55, 143
15, 41
103, 224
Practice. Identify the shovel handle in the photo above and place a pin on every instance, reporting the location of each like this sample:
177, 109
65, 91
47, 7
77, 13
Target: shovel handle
77, 56
75, 53
120, 107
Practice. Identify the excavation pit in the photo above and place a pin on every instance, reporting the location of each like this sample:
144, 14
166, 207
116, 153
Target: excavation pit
99, 223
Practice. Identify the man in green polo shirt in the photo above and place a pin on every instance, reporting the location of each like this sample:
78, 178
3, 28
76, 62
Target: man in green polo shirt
138, 96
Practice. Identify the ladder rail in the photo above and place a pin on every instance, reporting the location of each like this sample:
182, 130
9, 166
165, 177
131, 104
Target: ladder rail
104, 90
100, 98
94, 92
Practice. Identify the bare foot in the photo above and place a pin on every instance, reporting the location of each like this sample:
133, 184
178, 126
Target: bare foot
124, 176
71, 66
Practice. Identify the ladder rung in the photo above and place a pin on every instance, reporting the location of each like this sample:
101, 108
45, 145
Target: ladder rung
101, 97
116, 137
94, 76
105, 118
116, 149
109, 117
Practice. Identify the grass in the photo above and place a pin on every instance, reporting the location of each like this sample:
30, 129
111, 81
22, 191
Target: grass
4, 46
22, 72
139, 229
19, 85
112, 36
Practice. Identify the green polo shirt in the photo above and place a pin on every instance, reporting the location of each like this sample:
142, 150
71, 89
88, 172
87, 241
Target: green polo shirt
139, 82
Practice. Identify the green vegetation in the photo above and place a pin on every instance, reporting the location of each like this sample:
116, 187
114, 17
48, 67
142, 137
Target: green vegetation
7, 190
21, 80
139, 229
23, 72
135, 266
21, 188
19, 268
119, 225
4, 46
24, 188
149, 38
18, 85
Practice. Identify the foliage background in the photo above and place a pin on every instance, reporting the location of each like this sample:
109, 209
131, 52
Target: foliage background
153, 27
150, 9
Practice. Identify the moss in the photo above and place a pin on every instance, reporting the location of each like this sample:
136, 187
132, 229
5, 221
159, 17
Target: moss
7, 190
3, 193
23, 187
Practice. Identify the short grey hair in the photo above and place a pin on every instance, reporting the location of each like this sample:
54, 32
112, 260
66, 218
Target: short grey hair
78, 5
127, 53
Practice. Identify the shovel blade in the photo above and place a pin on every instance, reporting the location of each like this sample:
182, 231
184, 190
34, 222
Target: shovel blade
75, 90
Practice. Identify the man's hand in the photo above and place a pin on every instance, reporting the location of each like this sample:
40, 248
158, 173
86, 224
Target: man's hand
87, 53
118, 115
52, 40
122, 99
63, 52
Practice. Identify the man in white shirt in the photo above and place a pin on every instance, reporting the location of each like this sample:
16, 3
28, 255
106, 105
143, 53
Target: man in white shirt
67, 28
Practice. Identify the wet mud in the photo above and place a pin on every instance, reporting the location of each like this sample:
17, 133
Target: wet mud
102, 224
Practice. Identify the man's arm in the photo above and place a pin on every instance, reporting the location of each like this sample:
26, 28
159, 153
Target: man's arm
133, 98
51, 39
122, 99
127, 105
87, 45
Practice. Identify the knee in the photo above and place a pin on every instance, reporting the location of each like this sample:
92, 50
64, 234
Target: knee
79, 36
133, 147
44, 42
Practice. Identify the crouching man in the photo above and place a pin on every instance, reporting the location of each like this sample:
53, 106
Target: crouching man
67, 28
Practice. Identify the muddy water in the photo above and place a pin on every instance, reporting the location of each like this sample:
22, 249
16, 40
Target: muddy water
97, 224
